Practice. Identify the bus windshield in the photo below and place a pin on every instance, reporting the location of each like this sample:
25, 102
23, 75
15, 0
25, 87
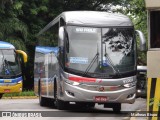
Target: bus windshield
100, 52
9, 64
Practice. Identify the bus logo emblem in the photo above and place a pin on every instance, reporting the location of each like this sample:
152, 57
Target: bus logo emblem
101, 88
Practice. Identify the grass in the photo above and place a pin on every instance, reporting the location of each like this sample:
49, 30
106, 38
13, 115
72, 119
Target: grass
24, 93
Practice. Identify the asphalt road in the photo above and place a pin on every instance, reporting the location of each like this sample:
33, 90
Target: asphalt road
25, 108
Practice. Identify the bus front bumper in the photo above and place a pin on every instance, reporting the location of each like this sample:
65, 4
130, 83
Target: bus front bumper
76, 94
11, 88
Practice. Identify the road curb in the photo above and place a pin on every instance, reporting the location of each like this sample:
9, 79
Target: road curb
21, 97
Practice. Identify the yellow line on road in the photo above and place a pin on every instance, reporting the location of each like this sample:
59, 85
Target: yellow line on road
148, 92
156, 98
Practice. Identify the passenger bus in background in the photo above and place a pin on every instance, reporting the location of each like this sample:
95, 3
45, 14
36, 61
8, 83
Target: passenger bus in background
96, 61
45, 68
10, 68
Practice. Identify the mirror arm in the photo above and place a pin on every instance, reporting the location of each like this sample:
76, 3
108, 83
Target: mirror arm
61, 36
142, 40
23, 54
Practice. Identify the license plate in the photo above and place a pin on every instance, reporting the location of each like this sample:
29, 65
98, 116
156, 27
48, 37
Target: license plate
7, 90
6, 81
101, 98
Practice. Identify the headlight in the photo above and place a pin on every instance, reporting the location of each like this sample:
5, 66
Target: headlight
19, 82
71, 82
128, 85
76, 80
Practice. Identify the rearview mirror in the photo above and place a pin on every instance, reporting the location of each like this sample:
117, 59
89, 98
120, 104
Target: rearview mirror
142, 40
61, 36
25, 57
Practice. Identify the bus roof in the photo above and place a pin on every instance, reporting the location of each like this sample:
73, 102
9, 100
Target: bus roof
96, 18
46, 50
6, 45
90, 18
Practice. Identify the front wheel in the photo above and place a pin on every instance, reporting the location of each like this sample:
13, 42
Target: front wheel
85, 105
117, 108
59, 104
42, 100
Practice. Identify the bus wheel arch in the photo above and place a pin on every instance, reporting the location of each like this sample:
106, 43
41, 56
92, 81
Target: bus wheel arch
55, 87
115, 106
42, 100
39, 87
59, 104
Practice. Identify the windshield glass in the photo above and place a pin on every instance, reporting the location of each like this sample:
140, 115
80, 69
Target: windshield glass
9, 64
118, 50
99, 52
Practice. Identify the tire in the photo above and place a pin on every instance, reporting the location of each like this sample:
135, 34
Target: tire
59, 104
85, 105
1, 95
117, 108
42, 100
90, 105
51, 103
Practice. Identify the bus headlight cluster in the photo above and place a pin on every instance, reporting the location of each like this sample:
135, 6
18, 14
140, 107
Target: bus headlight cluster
71, 82
19, 82
131, 84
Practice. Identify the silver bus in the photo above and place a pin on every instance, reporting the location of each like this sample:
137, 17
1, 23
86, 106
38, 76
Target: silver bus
95, 62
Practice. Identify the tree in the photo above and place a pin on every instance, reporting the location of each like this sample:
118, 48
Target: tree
137, 13
12, 29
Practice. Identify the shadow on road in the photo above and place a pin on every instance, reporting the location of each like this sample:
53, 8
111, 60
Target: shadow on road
74, 110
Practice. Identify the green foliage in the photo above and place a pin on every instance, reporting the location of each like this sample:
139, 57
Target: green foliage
139, 18
138, 14
18, 5
153, 101
24, 93
19, 45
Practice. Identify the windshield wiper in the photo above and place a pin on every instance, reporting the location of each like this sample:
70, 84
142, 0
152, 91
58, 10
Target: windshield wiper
116, 71
10, 68
93, 60
6, 67
91, 64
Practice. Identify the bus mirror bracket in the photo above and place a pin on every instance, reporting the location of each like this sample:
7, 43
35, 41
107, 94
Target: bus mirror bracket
25, 57
142, 40
61, 36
